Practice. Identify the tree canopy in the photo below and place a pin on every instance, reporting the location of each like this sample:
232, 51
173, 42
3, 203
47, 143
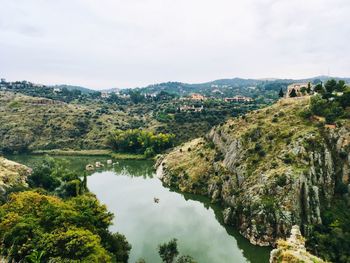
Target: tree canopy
36, 225
140, 141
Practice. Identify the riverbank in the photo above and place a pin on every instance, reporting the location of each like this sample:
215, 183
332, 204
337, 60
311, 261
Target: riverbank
59, 152
129, 156
96, 152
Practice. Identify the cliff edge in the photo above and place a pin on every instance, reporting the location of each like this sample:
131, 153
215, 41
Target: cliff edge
271, 169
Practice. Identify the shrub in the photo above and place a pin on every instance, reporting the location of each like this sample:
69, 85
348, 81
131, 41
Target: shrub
138, 141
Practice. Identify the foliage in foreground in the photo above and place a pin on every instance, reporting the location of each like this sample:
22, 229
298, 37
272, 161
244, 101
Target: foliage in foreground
140, 141
36, 226
331, 240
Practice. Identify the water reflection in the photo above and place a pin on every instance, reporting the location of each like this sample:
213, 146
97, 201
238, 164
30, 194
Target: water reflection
133, 168
249, 251
128, 189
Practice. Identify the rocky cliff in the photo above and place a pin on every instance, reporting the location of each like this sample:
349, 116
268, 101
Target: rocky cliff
271, 169
293, 250
12, 174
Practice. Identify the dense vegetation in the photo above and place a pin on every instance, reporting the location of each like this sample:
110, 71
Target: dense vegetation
332, 101
140, 141
30, 124
331, 240
62, 93
56, 219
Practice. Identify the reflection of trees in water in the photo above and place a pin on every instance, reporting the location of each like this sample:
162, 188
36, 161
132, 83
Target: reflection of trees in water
254, 254
134, 168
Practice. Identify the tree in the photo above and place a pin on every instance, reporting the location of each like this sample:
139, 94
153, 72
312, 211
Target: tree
168, 251
62, 230
140, 141
317, 105
293, 93
73, 244
136, 96
281, 94
308, 90
185, 259
303, 90
331, 85
319, 88
344, 100
340, 87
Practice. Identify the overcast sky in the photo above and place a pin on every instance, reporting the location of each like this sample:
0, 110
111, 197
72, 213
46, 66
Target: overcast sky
128, 43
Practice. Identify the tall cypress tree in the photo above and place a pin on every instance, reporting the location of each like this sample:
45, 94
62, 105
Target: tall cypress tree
293, 94
281, 94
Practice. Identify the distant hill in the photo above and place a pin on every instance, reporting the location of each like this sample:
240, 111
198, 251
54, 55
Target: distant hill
111, 90
71, 87
231, 87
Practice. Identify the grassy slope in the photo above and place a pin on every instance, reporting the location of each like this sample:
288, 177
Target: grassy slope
273, 128
32, 123
41, 124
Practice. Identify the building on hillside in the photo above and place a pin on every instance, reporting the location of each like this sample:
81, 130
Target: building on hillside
217, 91
191, 108
105, 95
238, 99
196, 96
298, 88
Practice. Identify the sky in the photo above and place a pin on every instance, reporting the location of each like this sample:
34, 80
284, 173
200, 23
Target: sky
129, 43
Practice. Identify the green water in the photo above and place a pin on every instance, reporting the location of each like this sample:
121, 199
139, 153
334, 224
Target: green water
128, 189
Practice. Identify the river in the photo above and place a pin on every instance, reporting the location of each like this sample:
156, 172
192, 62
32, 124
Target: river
128, 188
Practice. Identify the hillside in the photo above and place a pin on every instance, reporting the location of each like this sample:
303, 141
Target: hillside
30, 123
72, 87
271, 169
265, 90
33, 123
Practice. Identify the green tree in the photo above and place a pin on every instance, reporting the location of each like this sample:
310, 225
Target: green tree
281, 94
168, 251
185, 259
293, 93
140, 141
319, 88
330, 85
318, 105
340, 87
66, 230
344, 100
308, 90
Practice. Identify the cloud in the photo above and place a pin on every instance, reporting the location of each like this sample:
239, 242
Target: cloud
130, 43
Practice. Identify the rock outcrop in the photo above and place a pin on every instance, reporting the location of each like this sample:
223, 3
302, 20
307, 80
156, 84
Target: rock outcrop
12, 173
293, 250
271, 169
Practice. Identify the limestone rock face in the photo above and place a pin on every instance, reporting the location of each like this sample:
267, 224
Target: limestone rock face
271, 170
12, 173
293, 250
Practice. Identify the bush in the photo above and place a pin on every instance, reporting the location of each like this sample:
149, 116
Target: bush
149, 152
138, 141
34, 224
